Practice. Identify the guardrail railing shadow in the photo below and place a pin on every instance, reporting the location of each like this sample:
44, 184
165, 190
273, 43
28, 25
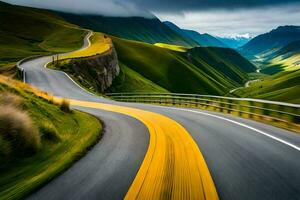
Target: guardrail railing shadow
284, 115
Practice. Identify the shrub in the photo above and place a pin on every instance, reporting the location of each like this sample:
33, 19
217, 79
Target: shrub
65, 106
49, 132
9, 99
17, 129
5, 148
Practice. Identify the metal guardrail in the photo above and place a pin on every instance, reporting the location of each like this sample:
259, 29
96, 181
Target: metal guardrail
261, 110
22, 70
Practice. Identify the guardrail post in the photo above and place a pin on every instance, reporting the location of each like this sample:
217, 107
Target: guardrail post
251, 110
296, 119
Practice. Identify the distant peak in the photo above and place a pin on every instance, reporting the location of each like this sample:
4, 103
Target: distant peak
287, 28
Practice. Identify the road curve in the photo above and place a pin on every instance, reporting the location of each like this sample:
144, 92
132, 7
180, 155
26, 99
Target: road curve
244, 163
173, 166
109, 168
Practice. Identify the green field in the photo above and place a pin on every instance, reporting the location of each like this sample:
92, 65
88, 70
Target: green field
27, 31
199, 70
72, 133
283, 86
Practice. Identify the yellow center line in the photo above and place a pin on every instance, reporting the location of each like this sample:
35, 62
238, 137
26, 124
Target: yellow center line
173, 167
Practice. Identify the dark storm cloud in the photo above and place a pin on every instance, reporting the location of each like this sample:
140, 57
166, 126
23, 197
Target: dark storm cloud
137, 7
218, 17
100, 7
188, 5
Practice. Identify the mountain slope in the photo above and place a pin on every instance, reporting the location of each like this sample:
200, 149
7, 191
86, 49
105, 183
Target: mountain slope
272, 40
283, 86
150, 30
199, 70
291, 48
204, 40
286, 58
63, 138
28, 31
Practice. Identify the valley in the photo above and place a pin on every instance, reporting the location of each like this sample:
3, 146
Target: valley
115, 101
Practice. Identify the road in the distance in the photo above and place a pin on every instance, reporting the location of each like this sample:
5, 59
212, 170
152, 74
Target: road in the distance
108, 170
244, 163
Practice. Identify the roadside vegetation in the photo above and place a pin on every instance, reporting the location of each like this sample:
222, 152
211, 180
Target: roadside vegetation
28, 31
39, 137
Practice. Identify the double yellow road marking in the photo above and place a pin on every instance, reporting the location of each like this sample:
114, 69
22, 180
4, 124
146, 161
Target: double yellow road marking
173, 167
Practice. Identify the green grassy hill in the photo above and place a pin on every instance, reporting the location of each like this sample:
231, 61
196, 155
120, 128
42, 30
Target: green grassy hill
147, 68
285, 59
204, 40
28, 31
150, 30
283, 86
39, 138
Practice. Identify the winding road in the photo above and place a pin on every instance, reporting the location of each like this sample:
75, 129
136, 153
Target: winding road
183, 150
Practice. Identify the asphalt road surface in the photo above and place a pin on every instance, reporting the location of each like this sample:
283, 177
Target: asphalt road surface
247, 159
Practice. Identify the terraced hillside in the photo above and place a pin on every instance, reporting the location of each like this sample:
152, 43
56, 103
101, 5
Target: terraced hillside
27, 31
146, 68
150, 30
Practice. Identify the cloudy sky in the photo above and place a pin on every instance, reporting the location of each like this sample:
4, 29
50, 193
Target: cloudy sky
217, 17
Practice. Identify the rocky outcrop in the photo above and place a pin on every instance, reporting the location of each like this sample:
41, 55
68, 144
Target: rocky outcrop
96, 72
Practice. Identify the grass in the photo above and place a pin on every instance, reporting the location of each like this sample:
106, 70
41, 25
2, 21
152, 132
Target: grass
99, 44
283, 86
28, 31
286, 58
65, 136
18, 131
282, 63
85, 67
282, 83
130, 81
171, 47
200, 70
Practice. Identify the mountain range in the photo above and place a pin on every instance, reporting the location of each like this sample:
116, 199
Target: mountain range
204, 70
150, 30
234, 42
271, 41
203, 40
196, 68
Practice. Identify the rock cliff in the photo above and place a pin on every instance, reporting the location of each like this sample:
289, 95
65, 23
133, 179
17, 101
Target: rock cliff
96, 72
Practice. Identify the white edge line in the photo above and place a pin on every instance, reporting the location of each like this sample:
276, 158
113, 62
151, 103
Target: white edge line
24, 75
89, 44
240, 124
45, 66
